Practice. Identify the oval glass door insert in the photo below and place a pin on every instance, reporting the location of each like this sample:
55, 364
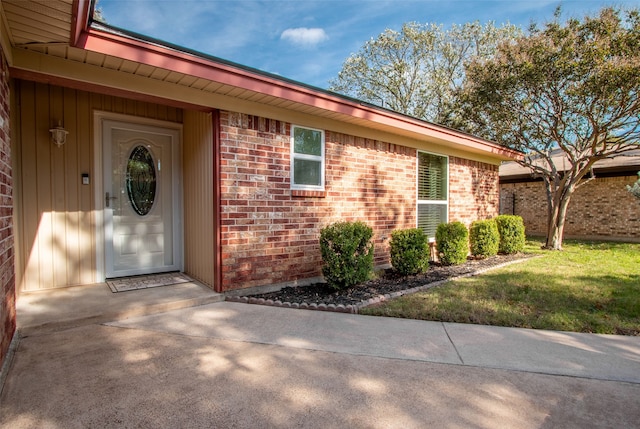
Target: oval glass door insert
141, 180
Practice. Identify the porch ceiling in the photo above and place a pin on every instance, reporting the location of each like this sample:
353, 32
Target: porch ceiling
37, 22
47, 54
44, 37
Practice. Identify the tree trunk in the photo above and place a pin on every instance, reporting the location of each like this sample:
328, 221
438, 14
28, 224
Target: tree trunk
555, 231
557, 204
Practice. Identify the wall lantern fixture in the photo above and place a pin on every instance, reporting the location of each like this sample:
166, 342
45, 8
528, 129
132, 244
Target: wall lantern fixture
59, 135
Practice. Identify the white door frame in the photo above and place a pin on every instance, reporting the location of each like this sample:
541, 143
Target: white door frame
99, 118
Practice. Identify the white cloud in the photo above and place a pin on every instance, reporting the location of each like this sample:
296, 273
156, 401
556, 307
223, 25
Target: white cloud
305, 37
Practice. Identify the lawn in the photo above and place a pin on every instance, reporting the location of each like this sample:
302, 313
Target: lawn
587, 287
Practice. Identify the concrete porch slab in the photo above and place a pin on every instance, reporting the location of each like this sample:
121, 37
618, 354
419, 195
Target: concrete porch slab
55, 309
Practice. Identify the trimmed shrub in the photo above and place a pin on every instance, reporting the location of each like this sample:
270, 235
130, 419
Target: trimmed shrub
452, 242
484, 238
409, 251
512, 234
347, 252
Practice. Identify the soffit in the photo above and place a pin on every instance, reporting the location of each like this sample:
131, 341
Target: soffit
38, 22
81, 56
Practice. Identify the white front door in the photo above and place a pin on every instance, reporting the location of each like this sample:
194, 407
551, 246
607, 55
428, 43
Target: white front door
141, 199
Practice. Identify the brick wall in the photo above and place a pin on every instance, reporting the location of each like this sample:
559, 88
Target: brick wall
7, 278
270, 234
473, 192
600, 209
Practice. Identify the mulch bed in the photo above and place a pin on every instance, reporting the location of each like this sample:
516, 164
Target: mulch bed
387, 285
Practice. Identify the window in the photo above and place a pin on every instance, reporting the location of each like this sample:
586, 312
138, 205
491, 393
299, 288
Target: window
433, 192
141, 180
307, 158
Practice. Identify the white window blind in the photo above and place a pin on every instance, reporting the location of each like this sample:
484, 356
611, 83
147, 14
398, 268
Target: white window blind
433, 192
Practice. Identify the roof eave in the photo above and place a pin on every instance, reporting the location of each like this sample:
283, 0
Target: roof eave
167, 57
80, 19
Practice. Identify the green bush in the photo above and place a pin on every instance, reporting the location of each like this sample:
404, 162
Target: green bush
409, 251
452, 242
512, 234
484, 238
347, 252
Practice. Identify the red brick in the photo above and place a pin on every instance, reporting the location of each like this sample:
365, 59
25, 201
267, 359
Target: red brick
7, 278
366, 179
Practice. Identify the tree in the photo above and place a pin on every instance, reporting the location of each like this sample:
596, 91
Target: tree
416, 71
98, 15
571, 87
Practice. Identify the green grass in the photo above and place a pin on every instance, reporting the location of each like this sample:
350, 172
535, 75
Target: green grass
587, 287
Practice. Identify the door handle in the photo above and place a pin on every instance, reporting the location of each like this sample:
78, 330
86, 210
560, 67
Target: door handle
107, 199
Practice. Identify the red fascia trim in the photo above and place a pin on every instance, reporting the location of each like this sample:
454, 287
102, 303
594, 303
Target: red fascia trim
79, 19
169, 59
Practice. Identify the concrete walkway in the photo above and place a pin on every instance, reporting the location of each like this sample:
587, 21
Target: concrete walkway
238, 365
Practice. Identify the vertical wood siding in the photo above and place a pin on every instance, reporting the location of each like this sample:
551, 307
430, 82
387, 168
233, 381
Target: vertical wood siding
198, 196
54, 219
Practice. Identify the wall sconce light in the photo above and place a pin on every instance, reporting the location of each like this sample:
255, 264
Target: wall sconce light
59, 135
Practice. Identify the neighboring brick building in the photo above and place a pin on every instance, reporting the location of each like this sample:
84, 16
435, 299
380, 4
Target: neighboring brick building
601, 209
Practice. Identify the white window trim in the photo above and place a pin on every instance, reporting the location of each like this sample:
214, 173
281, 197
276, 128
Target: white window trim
432, 202
294, 156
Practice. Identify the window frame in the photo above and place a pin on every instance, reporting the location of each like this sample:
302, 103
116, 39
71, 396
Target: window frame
420, 202
294, 155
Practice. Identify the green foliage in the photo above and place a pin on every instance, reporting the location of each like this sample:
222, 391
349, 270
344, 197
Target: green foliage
98, 14
409, 251
484, 238
635, 189
565, 85
416, 70
589, 287
347, 252
512, 233
452, 241
569, 87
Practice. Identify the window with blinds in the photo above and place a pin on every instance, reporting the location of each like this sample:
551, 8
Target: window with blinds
433, 191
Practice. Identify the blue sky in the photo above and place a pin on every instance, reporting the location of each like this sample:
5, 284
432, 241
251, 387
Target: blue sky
308, 41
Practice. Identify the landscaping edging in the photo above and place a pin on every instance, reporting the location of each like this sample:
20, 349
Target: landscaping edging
354, 308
